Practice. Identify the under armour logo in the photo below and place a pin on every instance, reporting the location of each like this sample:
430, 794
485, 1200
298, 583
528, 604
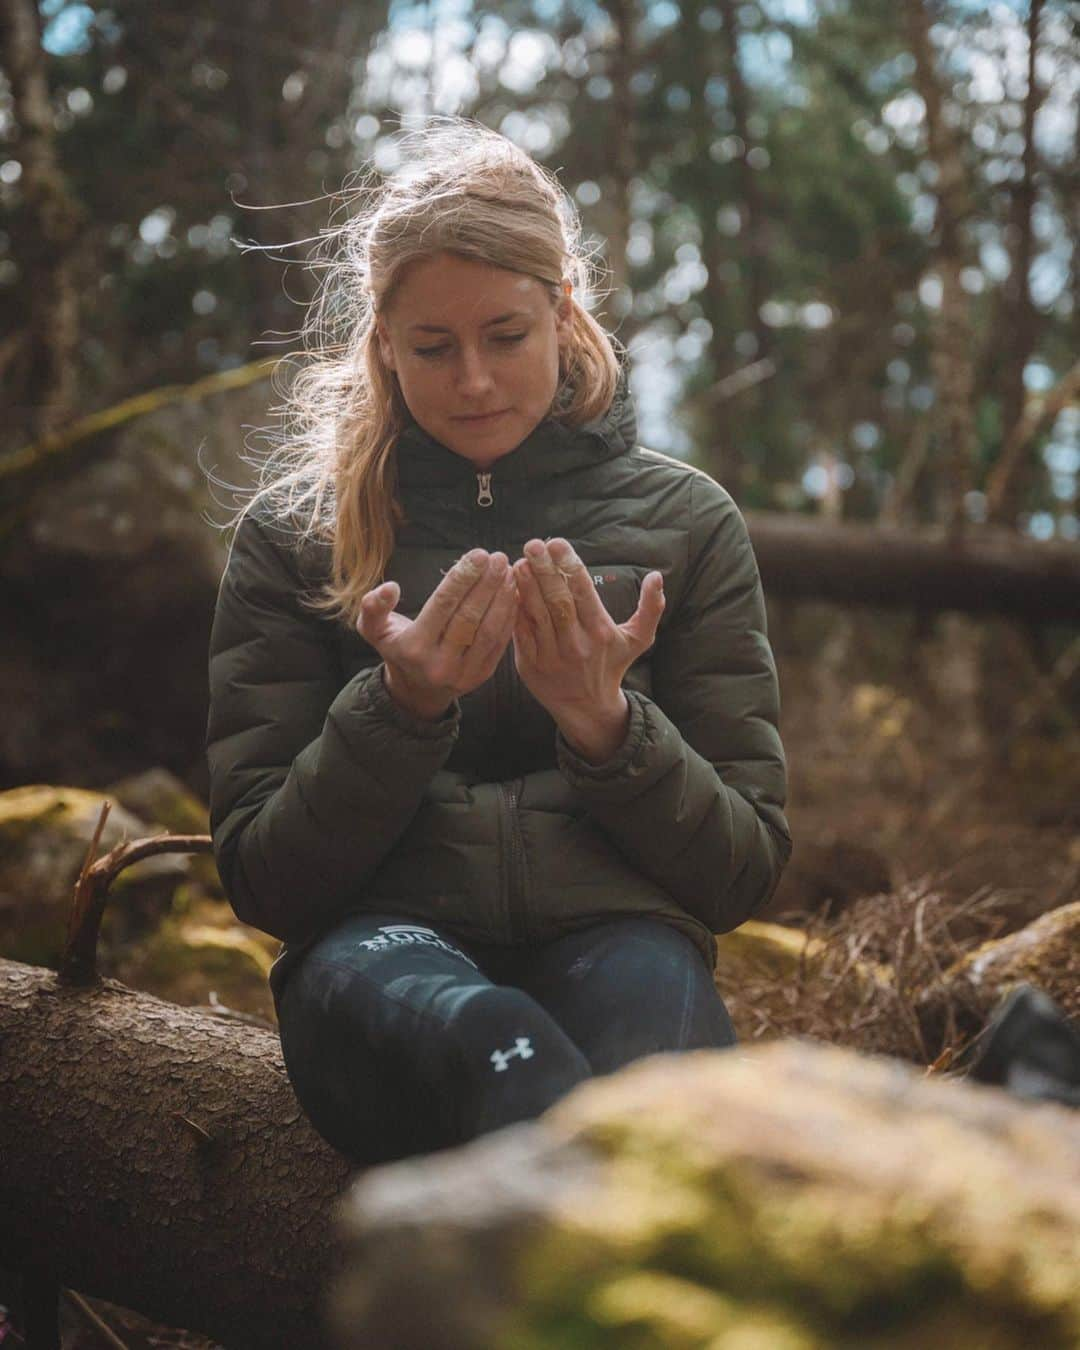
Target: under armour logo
522, 1048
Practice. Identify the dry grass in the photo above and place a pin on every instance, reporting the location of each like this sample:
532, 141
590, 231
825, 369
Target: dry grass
863, 972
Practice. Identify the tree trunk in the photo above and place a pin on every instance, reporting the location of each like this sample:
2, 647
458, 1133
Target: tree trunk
44, 367
157, 1158
1019, 319
954, 345
623, 154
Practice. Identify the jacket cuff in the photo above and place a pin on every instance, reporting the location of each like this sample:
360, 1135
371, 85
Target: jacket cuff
377, 697
628, 762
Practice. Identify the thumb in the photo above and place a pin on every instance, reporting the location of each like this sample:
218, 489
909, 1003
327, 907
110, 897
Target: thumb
641, 627
375, 608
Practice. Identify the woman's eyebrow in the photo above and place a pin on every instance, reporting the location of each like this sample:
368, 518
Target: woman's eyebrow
500, 318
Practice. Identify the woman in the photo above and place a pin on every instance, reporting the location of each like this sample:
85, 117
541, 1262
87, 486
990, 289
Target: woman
493, 729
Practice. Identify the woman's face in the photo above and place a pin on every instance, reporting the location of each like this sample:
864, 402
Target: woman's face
466, 340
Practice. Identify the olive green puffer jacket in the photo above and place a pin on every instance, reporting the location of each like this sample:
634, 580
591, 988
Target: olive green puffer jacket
327, 799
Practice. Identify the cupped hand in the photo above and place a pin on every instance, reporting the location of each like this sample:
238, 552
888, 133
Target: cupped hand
454, 643
570, 652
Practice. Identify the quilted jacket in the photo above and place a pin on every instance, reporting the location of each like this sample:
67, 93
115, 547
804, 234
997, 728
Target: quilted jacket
327, 798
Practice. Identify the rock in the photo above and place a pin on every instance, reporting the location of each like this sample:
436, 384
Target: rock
1045, 953
159, 797
788, 1197
187, 958
44, 835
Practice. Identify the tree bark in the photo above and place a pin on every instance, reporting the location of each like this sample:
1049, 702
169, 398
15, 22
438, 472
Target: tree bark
954, 345
1019, 319
991, 572
157, 1158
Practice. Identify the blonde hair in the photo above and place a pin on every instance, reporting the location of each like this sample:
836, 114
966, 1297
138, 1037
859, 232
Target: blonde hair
467, 190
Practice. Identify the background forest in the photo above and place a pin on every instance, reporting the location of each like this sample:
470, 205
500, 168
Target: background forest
839, 240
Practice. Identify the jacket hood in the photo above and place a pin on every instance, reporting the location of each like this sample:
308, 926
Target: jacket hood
551, 448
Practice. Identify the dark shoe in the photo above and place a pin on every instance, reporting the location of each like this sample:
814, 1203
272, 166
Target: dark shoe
1031, 1048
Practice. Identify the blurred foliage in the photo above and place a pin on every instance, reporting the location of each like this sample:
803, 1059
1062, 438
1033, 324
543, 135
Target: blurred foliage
781, 203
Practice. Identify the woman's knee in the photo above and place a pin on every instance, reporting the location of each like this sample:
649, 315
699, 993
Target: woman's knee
633, 987
381, 1076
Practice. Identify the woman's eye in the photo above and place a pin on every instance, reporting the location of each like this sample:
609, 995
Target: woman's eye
509, 338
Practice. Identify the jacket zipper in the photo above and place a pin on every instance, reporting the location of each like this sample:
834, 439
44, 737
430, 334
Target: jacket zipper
513, 869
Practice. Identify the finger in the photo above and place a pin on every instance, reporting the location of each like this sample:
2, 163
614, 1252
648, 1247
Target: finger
590, 609
494, 631
464, 624
375, 609
641, 627
552, 585
525, 652
444, 600
535, 608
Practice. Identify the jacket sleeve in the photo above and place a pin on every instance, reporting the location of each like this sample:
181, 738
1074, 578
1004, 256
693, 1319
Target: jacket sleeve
695, 795
311, 783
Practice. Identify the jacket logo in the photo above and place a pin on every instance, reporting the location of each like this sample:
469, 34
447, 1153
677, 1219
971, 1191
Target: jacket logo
521, 1047
600, 577
406, 934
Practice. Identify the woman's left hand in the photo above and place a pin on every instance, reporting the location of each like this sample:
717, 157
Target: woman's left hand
570, 652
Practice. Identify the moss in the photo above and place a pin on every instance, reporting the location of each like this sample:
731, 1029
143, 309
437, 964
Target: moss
836, 1219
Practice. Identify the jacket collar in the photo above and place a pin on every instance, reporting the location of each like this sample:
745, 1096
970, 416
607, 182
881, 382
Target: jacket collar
551, 448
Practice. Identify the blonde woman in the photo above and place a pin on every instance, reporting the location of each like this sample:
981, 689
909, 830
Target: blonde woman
493, 734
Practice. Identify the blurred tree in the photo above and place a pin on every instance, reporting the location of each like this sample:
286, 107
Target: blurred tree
38, 357
158, 118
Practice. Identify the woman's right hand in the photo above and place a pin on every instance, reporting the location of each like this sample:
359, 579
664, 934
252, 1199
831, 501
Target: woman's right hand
454, 643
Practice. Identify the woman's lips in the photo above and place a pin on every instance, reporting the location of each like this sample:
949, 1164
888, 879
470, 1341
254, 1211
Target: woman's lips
485, 417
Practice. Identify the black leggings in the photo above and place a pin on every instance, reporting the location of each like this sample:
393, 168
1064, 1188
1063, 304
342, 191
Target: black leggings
400, 1040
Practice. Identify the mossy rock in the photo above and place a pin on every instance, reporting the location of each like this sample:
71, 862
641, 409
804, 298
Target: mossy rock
189, 958
159, 797
788, 1197
44, 835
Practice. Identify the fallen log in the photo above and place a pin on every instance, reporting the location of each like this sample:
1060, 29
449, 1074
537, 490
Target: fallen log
990, 571
157, 1157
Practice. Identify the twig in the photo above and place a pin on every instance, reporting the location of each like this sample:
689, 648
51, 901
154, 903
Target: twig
215, 1008
201, 1136
78, 964
100, 1326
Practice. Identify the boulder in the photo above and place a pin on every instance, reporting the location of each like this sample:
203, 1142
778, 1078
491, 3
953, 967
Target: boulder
787, 1197
200, 952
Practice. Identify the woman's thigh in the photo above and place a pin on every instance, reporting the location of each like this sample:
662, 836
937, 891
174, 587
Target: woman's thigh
626, 988
396, 1042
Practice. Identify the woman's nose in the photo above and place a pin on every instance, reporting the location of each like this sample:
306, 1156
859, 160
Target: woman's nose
474, 377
